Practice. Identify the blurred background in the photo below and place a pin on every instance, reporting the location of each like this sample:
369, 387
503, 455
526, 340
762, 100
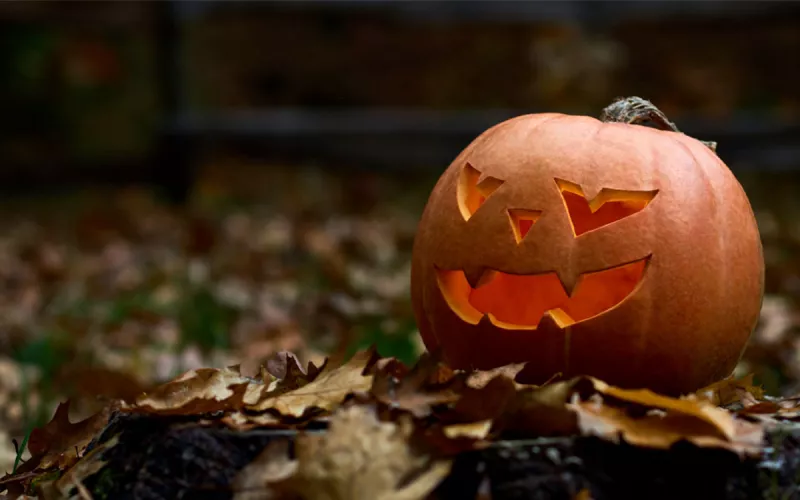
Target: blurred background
190, 184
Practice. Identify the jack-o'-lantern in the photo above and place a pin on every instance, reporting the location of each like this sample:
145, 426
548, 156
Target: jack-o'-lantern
589, 247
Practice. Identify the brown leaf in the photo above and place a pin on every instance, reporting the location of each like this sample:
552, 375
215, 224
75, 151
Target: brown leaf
761, 408
362, 458
731, 390
663, 429
325, 392
778, 409
284, 364
60, 442
204, 390
542, 411
87, 466
485, 403
17, 484
479, 379
54, 447
284, 373
698, 409
418, 390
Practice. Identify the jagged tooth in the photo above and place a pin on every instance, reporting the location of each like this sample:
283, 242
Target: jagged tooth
569, 279
549, 323
478, 276
557, 317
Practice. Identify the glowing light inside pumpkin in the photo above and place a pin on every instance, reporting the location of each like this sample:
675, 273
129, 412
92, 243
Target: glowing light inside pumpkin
472, 193
522, 221
518, 301
610, 205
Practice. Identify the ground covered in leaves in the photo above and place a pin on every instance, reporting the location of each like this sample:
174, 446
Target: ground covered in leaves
108, 296
392, 430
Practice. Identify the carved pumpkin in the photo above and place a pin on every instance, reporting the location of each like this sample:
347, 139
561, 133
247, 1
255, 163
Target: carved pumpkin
586, 247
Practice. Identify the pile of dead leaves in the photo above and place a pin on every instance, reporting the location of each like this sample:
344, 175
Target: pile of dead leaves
393, 430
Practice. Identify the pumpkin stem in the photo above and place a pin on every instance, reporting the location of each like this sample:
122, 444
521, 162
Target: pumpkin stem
638, 111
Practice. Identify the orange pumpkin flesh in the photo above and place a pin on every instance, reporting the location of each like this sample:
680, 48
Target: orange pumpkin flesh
519, 301
582, 247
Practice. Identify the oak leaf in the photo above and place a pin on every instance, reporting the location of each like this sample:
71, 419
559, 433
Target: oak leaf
721, 421
660, 429
73, 478
418, 390
60, 442
204, 390
286, 368
54, 447
326, 391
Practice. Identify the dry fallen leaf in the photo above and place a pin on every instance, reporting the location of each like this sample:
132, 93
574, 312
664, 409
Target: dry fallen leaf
285, 367
90, 464
486, 403
660, 429
284, 363
204, 390
542, 411
54, 447
719, 419
731, 390
362, 458
325, 392
479, 379
60, 442
775, 409
418, 390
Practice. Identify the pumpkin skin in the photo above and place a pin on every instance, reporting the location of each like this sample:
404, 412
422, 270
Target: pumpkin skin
695, 269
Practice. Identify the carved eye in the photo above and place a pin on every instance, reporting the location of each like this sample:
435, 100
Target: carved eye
471, 193
610, 205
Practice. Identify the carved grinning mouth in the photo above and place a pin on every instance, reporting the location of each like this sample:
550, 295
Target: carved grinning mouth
520, 301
